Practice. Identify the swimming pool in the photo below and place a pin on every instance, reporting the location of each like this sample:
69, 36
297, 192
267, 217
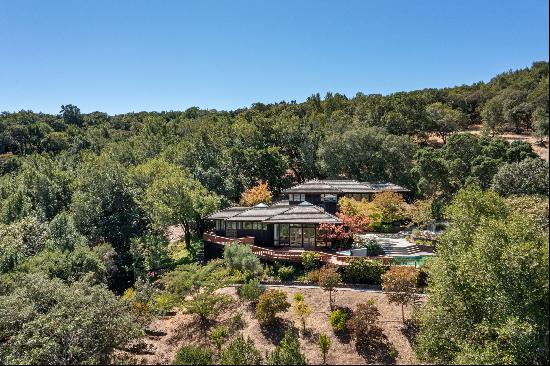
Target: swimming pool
416, 260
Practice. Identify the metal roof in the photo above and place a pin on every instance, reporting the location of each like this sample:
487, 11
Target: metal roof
304, 213
227, 213
343, 187
280, 212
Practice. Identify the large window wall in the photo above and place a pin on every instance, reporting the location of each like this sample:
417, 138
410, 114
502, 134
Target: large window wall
305, 236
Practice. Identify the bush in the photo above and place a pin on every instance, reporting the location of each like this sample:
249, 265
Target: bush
218, 336
338, 319
288, 352
163, 303
311, 260
373, 248
312, 276
285, 273
194, 355
241, 352
364, 271
269, 304
240, 257
362, 324
237, 321
250, 291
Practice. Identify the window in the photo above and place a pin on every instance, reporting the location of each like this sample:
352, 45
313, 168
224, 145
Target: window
296, 235
260, 226
297, 197
283, 234
231, 225
328, 198
247, 225
320, 238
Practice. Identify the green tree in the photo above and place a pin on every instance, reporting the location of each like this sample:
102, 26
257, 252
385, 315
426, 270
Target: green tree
45, 321
488, 290
324, 346
445, 120
528, 177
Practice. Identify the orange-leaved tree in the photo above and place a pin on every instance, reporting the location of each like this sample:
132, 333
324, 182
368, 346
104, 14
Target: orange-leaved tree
260, 193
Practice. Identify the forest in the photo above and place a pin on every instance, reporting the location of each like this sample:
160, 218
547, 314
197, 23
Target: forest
86, 200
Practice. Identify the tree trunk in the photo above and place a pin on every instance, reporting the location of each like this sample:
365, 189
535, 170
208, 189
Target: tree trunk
403, 312
187, 234
330, 299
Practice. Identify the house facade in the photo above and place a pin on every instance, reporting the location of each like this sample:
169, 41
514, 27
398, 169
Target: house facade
296, 222
279, 225
326, 193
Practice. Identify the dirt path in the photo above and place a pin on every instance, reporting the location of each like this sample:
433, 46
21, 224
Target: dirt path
171, 333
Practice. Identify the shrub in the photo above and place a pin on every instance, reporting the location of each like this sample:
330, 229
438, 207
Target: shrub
329, 278
286, 273
241, 352
269, 304
288, 352
240, 257
313, 276
338, 319
373, 248
392, 352
218, 335
164, 302
194, 355
250, 291
365, 271
302, 311
237, 321
362, 324
311, 260
324, 346
207, 306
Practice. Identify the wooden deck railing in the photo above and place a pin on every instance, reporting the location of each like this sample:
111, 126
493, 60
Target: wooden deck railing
282, 254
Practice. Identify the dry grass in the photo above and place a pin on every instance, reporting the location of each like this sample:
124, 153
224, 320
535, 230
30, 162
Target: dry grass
175, 331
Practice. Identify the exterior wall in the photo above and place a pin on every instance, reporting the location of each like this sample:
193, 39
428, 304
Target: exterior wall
263, 238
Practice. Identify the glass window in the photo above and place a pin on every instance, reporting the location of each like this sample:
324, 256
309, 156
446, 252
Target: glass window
284, 234
297, 197
247, 225
328, 198
295, 235
320, 238
309, 236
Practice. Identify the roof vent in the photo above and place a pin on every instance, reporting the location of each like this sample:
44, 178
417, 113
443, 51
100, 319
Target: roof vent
305, 203
261, 205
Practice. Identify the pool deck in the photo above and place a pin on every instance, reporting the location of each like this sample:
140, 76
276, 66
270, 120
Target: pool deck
396, 245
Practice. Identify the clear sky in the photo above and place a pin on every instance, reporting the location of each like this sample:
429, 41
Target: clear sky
122, 56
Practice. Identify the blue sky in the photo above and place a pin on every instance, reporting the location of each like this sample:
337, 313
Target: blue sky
122, 56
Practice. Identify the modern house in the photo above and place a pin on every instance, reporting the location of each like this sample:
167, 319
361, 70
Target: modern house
326, 193
294, 223
278, 225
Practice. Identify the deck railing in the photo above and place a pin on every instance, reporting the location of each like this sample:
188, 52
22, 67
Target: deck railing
282, 254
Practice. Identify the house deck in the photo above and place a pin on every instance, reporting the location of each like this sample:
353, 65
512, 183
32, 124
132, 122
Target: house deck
282, 254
